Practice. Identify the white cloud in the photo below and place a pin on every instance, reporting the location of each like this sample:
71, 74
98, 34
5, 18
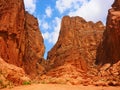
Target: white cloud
46, 35
91, 10
39, 22
63, 5
48, 11
52, 37
55, 33
94, 10
30, 5
45, 25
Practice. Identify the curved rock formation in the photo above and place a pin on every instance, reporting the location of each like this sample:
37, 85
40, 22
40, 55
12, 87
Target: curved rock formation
21, 42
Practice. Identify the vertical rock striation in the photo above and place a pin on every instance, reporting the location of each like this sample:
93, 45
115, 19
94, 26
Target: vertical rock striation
12, 34
34, 46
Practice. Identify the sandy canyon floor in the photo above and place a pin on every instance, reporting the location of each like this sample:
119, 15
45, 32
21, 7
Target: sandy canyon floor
61, 87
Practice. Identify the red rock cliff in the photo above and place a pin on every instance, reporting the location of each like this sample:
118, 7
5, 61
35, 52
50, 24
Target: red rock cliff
74, 53
21, 42
77, 43
109, 50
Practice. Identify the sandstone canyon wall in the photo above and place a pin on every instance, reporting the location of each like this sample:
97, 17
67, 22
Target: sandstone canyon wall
109, 49
21, 42
82, 56
77, 43
74, 54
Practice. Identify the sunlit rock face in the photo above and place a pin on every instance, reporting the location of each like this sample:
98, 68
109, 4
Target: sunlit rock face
11, 74
74, 54
77, 43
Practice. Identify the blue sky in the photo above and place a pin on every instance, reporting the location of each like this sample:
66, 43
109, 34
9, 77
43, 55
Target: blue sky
50, 12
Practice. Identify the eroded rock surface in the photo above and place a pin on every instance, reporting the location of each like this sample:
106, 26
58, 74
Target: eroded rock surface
10, 74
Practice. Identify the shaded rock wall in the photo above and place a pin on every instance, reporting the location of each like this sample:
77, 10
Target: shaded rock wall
34, 46
109, 49
21, 42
